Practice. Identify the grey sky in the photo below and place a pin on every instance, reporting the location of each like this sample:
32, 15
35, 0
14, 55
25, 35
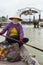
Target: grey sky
10, 7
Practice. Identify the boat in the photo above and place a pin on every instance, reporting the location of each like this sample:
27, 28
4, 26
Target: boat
27, 59
41, 24
13, 63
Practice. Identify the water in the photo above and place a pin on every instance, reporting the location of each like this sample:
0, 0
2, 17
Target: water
35, 36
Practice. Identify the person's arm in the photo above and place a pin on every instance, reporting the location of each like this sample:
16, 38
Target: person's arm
21, 34
4, 29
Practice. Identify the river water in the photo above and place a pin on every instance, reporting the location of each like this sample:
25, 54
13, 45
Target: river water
35, 36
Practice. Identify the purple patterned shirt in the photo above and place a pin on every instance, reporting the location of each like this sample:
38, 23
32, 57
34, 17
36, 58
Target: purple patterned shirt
11, 25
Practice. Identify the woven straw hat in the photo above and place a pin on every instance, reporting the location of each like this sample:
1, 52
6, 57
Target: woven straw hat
15, 17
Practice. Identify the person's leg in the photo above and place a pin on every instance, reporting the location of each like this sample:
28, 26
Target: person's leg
25, 40
27, 57
12, 39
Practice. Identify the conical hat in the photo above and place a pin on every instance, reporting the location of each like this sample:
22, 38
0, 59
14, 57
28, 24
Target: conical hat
15, 17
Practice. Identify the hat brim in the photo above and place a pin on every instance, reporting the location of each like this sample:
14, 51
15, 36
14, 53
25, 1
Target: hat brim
15, 18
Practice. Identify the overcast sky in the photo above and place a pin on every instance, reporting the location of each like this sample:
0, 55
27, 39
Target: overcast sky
10, 7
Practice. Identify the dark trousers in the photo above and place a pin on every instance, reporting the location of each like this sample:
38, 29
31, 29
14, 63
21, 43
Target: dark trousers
14, 38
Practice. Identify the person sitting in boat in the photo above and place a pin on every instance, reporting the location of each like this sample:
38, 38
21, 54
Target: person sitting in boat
15, 31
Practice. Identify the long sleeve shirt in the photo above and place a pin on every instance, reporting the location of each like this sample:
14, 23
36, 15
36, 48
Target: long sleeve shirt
10, 26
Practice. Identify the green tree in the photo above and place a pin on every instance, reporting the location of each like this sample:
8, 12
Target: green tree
3, 18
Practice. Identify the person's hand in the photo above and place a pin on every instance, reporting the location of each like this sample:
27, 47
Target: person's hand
20, 40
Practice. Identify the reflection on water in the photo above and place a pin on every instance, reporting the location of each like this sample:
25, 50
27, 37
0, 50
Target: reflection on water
35, 36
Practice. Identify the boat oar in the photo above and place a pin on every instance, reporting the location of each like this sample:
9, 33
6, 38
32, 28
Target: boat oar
35, 47
25, 44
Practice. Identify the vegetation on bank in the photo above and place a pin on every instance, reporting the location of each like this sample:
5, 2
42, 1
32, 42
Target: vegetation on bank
2, 19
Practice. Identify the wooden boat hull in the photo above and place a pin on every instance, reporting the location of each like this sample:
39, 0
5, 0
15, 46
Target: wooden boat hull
41, 24
25, 56
12, 63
